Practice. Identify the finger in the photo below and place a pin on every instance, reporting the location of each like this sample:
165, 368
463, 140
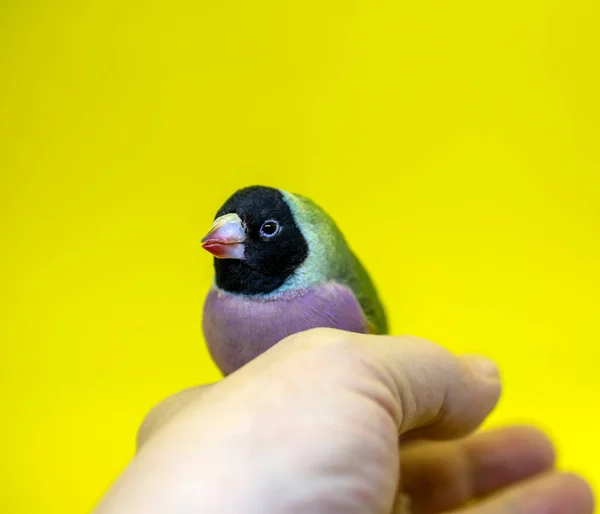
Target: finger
342, 398
166, 409
442, 476
552, 493
454, 394
424, 387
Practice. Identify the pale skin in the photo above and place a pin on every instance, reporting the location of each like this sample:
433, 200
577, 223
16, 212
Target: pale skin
312, 425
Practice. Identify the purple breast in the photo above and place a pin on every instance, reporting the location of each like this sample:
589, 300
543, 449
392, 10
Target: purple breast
237, 329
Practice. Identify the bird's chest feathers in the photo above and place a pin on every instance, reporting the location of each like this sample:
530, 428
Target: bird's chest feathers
239, 328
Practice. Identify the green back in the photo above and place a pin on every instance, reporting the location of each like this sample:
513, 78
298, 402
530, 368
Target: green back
330, 258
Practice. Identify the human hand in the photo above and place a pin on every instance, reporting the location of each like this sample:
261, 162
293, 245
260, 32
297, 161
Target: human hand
312, 425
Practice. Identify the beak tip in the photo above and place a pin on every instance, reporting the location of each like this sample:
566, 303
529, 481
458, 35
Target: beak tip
225, 251
225, 238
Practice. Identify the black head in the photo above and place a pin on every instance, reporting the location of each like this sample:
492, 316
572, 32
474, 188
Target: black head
256, 242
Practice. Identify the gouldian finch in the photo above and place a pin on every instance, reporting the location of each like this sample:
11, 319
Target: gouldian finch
281, 266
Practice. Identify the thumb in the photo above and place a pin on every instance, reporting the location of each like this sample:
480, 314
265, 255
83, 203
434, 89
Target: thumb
429, 392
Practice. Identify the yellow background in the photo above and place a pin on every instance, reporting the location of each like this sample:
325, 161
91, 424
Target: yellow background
456, 143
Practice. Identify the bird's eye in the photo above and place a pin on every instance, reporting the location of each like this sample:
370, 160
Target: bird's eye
269, 228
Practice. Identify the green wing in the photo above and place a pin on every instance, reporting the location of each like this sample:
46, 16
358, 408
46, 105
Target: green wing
361, 284
338, 262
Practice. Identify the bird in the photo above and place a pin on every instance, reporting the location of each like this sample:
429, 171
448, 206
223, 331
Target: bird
281, 266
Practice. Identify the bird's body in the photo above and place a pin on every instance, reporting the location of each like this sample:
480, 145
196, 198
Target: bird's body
281, 266
239, 329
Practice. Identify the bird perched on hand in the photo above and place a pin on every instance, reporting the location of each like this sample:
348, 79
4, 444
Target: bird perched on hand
281, 266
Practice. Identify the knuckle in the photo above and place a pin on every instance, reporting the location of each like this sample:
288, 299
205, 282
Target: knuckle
336, 343
162, 412
146, 427
327, 345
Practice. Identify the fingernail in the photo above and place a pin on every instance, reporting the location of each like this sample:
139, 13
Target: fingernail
483, 366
